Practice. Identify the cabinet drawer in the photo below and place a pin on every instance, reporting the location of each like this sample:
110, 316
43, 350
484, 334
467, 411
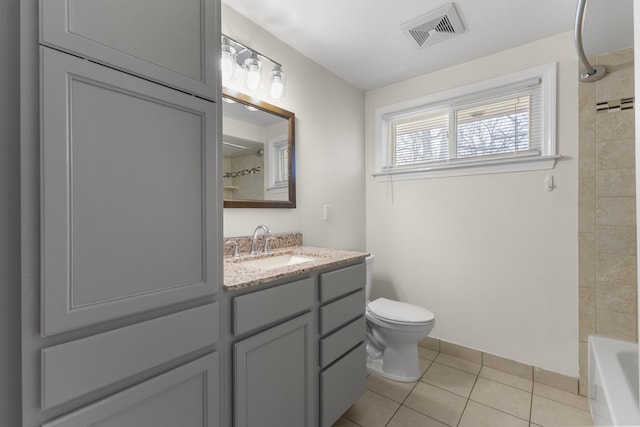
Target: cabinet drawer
342, 384
341, 341
339, 312
186, 396
261, 308
341, 282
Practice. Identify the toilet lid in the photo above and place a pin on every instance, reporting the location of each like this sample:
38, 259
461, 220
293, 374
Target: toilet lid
400, 311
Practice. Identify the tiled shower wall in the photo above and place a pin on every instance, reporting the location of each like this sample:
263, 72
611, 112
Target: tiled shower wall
606, 206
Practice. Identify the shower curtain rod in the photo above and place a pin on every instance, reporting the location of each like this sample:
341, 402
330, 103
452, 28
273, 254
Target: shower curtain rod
589, 74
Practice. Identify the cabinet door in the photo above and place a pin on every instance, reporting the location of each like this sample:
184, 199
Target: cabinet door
173, 42
129, 194
186, 396
273, 377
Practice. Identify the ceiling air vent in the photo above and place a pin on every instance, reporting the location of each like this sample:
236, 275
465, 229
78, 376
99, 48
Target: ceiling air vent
434, 27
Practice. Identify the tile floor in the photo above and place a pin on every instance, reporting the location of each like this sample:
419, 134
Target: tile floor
458, 393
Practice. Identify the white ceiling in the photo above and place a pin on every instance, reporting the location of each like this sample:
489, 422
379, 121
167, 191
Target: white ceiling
361, 41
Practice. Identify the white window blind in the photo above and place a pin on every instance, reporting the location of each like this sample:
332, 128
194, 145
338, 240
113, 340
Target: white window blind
419, 138
510, 124
282, 176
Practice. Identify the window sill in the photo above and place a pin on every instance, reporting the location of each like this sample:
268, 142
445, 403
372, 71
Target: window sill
460, 168
278, 189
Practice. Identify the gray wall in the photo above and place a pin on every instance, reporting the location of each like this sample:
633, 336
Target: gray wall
10, 384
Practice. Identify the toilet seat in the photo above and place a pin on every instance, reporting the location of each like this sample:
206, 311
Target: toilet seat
399, 313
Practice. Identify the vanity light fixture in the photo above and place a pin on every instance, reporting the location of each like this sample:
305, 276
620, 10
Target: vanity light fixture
237, 56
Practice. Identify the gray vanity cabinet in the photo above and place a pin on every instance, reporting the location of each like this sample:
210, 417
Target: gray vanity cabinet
121, 213
298, 349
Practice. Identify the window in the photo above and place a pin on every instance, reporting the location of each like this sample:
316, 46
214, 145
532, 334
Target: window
278, 155
282, 164
501, 125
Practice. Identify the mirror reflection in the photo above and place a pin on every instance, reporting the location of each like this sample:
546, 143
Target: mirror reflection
258, 153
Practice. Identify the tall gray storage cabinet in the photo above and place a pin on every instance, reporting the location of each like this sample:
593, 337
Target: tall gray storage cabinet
121, 213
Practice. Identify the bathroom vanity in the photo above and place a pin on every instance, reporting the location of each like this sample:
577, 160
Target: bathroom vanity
296, 337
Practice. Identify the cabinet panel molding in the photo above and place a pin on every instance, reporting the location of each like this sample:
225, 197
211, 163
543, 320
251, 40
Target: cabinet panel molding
172, 42
128, 191
186, 396
72, 369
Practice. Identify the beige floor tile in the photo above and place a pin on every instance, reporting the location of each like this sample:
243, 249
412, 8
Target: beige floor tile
439, 404
477, 415
456, 362
450, 379
506, 378
427, 353
343, 422
549, 413
534, 425
406, 417
372, 410
502, 397
561, 396
394, 390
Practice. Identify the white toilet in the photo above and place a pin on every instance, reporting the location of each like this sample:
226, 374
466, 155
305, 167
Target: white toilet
393, 331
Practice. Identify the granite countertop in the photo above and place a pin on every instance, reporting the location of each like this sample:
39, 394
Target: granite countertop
237, 275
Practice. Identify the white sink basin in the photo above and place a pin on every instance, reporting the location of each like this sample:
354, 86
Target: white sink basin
277, 261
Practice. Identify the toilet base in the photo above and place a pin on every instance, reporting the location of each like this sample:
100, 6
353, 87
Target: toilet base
376, 365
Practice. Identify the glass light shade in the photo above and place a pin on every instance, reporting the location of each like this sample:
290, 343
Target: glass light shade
228, 61
253, 77
252, 66
277, 83
227, 66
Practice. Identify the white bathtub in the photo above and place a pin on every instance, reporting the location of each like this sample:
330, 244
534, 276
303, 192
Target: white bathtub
613, 382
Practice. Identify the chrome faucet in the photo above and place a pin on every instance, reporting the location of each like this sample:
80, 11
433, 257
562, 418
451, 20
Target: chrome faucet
267, 248
254, 239
236, 251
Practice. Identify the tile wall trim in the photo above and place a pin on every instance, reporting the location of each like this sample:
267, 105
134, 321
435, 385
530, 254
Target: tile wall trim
522, 370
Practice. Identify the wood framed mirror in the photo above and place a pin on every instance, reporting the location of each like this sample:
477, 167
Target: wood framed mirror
258, 147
